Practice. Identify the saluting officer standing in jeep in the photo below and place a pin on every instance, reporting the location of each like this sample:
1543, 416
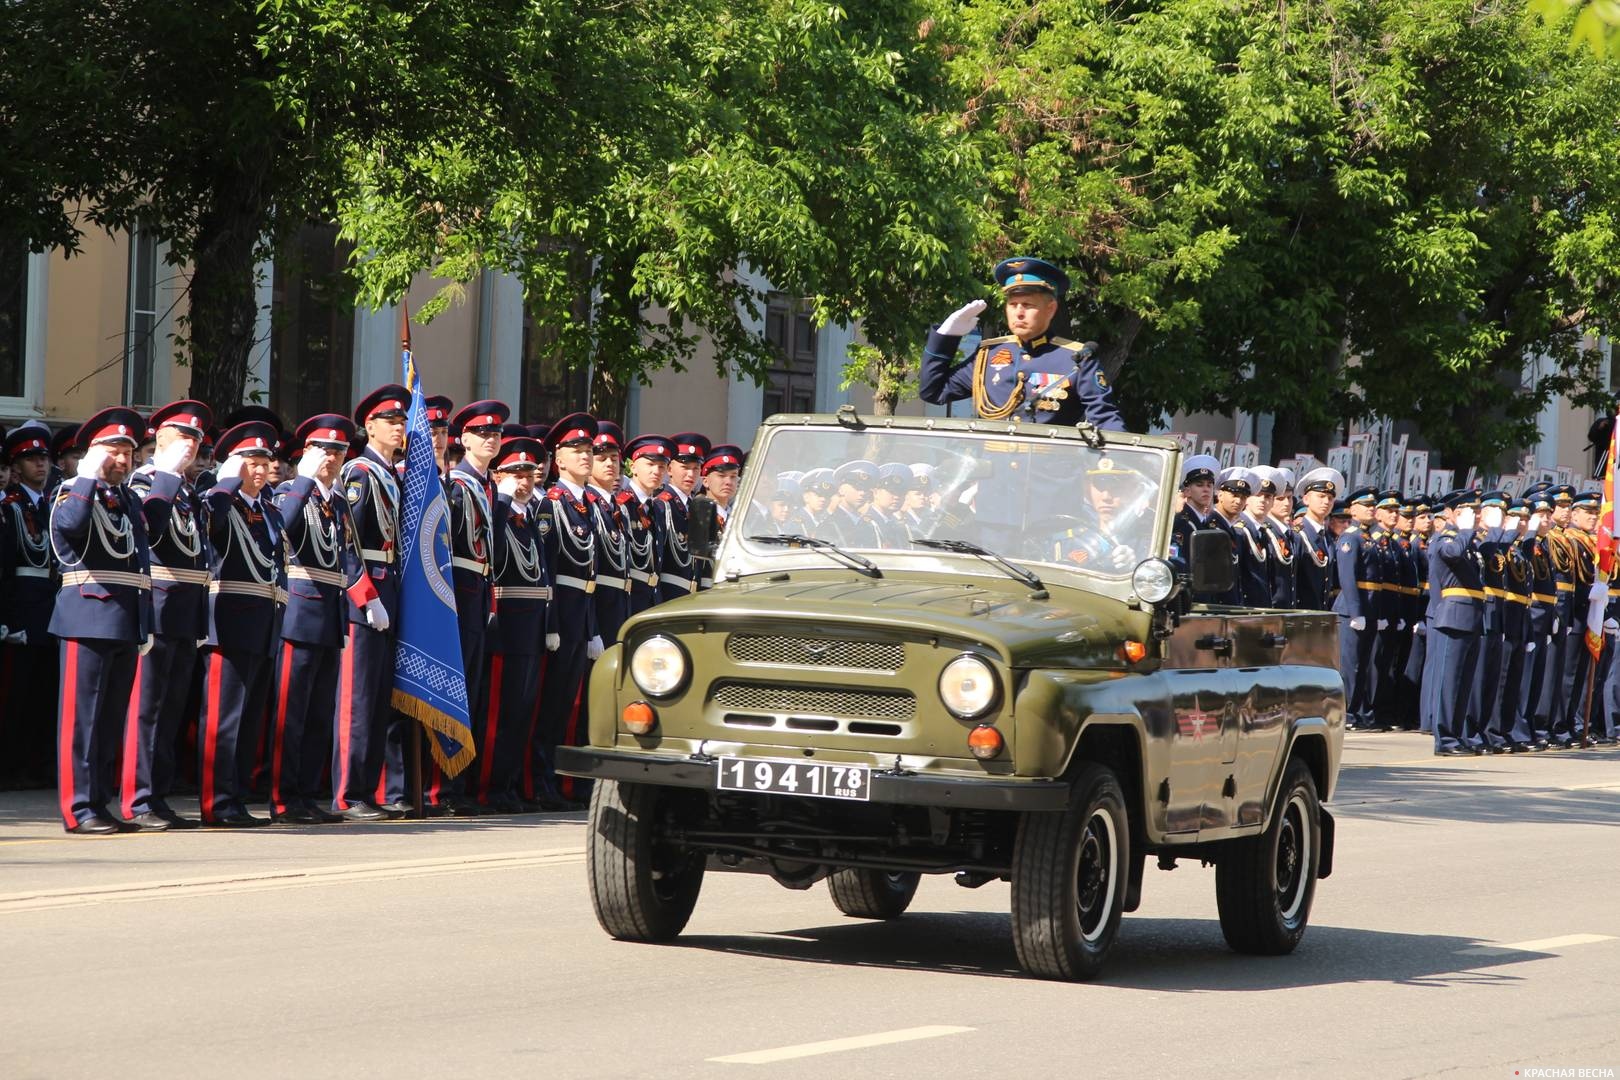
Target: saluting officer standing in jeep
1027, 374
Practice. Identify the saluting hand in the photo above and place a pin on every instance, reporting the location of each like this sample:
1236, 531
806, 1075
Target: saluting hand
312, 463
94, 462
507, 485
231, 468
963, 319
176, 456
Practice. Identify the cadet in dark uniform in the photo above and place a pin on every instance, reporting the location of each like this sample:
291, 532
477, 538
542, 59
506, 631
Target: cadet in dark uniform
888, 497
28, 652
1313, 563
1358, 571
365, 683
103, 614
648, 464
1516, 632
852, 483
1027, 374
1252, 585
1398, 589
612, 595
181, 566
1453, 619
1409, 696
244, 621
809, 518
326, 578
677, 572
1269, 507
722, 472
525, 626
1531, 726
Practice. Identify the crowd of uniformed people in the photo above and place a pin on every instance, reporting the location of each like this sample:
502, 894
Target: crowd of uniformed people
185, 608
1463, 616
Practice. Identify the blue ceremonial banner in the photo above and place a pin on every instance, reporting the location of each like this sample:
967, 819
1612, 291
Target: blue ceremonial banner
428, 680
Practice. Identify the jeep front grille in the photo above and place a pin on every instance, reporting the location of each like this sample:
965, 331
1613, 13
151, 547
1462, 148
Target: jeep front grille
815, 701
783, 650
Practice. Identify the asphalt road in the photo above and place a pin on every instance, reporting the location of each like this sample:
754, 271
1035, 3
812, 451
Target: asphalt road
1471, 928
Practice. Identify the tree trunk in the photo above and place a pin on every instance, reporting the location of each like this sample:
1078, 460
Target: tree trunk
610, 395
223, 319
1112, 354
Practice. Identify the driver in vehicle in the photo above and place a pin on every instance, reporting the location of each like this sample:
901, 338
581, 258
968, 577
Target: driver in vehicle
815, 491
1108, 533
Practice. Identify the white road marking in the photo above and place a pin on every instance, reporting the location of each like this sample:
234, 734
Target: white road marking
1540, 945
50, 899
834, 1046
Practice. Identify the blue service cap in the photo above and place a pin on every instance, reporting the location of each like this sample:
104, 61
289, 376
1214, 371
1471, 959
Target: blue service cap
859, 473
1023, 272
819, 481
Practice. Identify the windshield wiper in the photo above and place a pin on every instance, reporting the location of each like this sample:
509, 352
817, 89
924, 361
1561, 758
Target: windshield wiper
857, 562
1012, 570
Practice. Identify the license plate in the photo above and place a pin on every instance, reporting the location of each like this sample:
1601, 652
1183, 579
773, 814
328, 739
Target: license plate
817, 780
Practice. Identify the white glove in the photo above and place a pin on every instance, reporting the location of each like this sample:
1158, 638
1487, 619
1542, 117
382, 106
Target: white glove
507, 485
1400, 624
1610, 626
1555, 624
593, 647
175, 457
93, 462
18, 637
1599, 591
1122, 558
553, 642
146, 646
963, 319
377, 615
1417, 628
231, 468
311, 463
1383, 624
1358, 623
1529, 647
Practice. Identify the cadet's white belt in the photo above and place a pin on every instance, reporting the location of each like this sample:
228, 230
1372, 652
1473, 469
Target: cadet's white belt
523, 592
127, 578
647, 578
612, 584
374, 555
317, 575
34, 571
180, 574
245, 588
566, 580
474, 565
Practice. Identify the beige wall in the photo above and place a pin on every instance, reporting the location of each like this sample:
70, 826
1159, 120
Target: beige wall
85, 323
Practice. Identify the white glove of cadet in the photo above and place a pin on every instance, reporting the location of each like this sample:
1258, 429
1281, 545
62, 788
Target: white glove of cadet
311, 463
1400, 624
231, 468
17, 637
1555, 624
93, 462
594, 648
377, 615
1383, 624
1610, 626
1599, 591
507, 485
175, 457
963, 319
146, 646
1417, 628
1358, 623
1122, 558
553, 642
1529, 647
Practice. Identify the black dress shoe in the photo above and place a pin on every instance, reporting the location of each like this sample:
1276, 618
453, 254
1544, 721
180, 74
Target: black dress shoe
237, 819
1519, 748
175, 820
296, 815
361, 811
438, 809
94, 826
1451, 751
321, 815
151, 821
397, 809
1494, 749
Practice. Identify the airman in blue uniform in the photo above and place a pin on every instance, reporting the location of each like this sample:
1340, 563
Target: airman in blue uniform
1313, 563
1491, 544
852, 484
1516, 587
1252, 586
1028, 374
1409, 697
1358, 571
810, 517
1453, 619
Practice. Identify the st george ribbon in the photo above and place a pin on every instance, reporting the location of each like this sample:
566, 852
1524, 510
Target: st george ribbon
428, 680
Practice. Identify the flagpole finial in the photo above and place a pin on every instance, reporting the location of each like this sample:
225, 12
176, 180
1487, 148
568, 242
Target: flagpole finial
404, 323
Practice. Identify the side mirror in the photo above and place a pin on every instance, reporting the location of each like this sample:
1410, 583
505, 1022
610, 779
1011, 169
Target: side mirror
702, 527
1211, 560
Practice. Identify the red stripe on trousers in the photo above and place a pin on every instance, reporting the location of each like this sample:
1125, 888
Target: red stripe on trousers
345, 717
528, 741
210, 734
382, 780
491, 717
276, 802
65, 717
132, 741
435, 777
571, 735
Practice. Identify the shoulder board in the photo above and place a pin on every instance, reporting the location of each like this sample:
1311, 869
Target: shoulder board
591, 496
623, 498
556, 492
664, 496
1074, 346
12, 497
1003, 339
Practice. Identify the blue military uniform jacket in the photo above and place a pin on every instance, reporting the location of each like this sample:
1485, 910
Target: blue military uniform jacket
1456, 593
523, 591
677, 570
568, 530
99, 534
851, 530
475, 534
371, 488
322, 563
249, 573
1491, 546
1284, 549
1543, 587
1358, 570
1048, 380
612, 594
1254, 561
181, 558
27, 567
645, 543
1313, 567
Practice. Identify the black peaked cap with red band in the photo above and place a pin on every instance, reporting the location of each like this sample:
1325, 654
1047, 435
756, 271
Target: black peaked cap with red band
30, 438
519, 451
192, 418
437, 408
608, 434
329, 430
386, 399
689, 444
575, 427
480, 414
114, 423
724, 456
250, 437
64, 440
649, 446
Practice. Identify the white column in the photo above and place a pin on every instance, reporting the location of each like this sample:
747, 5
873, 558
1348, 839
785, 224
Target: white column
745, 401
832, 353
506, 345
1547, 423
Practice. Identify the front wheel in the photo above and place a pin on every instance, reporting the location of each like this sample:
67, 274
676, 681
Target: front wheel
1264, 884
861, 893
643, 889
1068, 880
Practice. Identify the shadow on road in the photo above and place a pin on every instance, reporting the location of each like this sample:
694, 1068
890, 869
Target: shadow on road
1173, 955
1419, 794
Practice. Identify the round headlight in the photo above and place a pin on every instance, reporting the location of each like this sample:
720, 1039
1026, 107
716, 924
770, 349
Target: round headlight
1153, 581
967, 686
659, 666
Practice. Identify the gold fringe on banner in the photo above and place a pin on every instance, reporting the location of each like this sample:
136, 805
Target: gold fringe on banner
439, 722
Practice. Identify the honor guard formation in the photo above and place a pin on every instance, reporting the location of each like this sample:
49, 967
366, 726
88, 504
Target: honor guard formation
211, 608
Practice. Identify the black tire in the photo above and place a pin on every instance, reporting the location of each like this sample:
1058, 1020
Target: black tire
642, 890
1264, 884
1069, 874
861, 893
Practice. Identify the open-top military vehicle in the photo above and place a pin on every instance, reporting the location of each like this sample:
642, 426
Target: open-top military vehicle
1013, 685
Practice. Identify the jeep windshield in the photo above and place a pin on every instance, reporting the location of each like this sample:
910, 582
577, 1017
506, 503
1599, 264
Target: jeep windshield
1036, 500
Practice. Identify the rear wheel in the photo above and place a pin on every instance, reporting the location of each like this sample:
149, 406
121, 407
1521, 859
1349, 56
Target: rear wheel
643, 889
1068, 881
861, 893
1264, 884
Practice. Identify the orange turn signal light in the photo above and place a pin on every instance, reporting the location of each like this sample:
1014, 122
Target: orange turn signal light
1133, 651
640, 718
984, 742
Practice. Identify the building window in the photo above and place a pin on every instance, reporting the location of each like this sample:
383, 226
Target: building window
141, 319
13, 321
551, 388
311, 326
790, 384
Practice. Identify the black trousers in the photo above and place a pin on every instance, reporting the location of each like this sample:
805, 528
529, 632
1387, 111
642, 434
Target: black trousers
364, 710
97, 678
236, 684
505, 723
305, 710
559, 698
152, 729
